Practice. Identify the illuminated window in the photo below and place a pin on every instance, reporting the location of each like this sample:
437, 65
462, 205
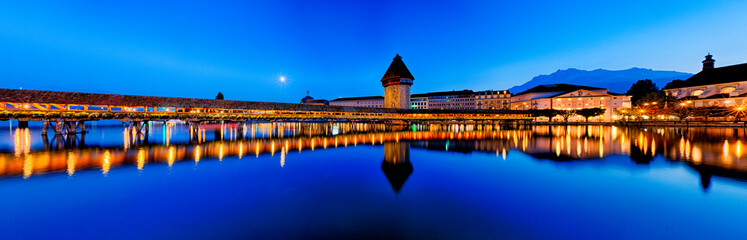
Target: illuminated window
697, 92
727, 89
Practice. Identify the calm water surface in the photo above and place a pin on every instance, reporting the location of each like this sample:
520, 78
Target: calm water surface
330, 181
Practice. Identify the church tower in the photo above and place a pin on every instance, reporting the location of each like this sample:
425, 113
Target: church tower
397, 81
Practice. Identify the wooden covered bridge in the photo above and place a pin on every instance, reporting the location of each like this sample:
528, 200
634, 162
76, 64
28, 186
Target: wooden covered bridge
65, 112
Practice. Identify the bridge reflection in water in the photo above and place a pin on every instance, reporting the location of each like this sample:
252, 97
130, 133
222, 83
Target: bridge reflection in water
710, 152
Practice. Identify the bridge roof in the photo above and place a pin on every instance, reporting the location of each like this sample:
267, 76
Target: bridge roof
41, 96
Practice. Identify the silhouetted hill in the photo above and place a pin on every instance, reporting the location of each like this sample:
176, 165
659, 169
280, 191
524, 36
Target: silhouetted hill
615, 80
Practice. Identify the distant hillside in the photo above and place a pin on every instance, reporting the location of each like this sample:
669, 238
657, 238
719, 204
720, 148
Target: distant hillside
615, 80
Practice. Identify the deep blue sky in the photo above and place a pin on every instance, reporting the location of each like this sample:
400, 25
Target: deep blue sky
342, 48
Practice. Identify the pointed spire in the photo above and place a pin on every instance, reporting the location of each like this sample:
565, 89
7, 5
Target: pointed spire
396, 71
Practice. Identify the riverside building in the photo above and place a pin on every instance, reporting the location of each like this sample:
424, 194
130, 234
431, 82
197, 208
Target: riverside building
571, 97
494, 100
372, 101
713, 87
464, 99
419, 101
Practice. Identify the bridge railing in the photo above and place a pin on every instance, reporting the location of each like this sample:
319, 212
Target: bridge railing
149, 111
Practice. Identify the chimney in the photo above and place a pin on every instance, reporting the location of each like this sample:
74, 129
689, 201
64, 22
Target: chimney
708, 62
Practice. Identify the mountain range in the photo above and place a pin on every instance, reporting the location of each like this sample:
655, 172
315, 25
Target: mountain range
618, 81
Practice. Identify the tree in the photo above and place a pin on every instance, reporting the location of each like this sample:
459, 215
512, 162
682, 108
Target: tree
219, 96
590, 112
566, 114
674, 84
549, 113
654, 98
640, 88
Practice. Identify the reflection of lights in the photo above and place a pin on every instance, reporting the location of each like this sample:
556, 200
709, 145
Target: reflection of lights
739, 148
559, 139
282, 157
272, 149
106, 162
727, 160
172, 156
697, 155
28, 166
198, 153
71, 160
140, 159
220, 152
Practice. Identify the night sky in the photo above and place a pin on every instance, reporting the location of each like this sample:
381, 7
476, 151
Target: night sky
342, 48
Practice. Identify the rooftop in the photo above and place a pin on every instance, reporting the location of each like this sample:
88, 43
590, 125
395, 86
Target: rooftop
397, 70
449, 93
359, 98
728, 74
59, 97
559, 87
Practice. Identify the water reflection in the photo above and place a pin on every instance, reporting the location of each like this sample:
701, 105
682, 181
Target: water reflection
396, 165
709, 151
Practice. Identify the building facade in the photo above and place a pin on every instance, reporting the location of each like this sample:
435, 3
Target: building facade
419, 101
571, 97
373, 101
464, 99
713, 87
491, 99
396, 82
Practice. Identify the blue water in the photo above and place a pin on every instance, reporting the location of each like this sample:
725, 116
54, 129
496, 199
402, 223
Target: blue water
344, 192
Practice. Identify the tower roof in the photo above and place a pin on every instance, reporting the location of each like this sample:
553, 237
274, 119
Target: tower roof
397, 70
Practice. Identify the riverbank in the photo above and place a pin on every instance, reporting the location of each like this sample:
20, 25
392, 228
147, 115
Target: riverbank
650, 124
683, 124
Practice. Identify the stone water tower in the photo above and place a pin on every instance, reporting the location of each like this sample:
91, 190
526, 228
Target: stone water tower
397, 81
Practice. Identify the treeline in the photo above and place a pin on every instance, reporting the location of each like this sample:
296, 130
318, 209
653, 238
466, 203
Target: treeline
565, 114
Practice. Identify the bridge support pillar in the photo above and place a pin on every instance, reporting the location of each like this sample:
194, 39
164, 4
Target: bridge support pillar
23, 124
82, 126
240, 130
45, 128
70, 127
58, 127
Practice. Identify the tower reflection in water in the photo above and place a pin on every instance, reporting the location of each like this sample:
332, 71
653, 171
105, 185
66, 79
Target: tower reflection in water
710, 152
396, 165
